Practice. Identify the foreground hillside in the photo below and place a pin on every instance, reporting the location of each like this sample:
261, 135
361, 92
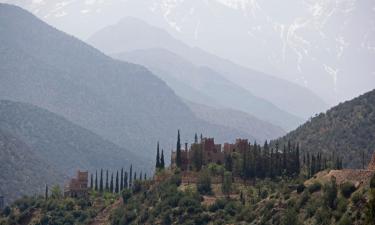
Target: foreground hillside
171, 201
347, 129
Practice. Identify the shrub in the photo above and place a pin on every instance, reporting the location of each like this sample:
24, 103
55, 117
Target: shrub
372, 181
330, 194
347, 189
345, 220
204, 183
300, 188
126, 195
290, 217
316, 186
357, 197
6, 211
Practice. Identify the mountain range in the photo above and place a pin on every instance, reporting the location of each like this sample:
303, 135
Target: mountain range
122, 102
324, 45
132, 34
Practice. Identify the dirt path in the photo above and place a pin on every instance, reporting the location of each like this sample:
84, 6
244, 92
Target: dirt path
103, 217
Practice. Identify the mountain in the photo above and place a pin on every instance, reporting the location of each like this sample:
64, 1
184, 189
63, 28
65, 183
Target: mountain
132, 34
347, 129
122, 102
325, 45
22, 172
61, 143
256, 129
200, 84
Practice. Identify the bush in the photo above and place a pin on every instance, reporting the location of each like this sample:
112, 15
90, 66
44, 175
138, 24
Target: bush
357, 197
300, 188
316, 186
126, 195
347, 189
372, 181
204, 184
6, 211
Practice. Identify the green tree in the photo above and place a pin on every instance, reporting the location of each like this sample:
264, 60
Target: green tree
157, 157
101, 181
130, 175
330, 193
56, 192
46, 193
162, 162
92, 181
227, 183
178, 150
122, 179
117, 184
126, 180
111, 184
204, 183
106, 181
370, 205
96, 180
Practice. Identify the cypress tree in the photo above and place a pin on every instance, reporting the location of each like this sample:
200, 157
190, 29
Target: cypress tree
92, 181
46, 193
111, 185
126, 180
157, 157
178, 150
122, 179
162, 163
117, 186
196, 138
135, 176
96, 180
101, 181
131, 176
106, 181
140, 176
145, 176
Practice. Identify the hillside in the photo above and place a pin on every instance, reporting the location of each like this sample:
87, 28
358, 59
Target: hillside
205, 83
347, 129
122, 102
256, 129
59, 142
22, 172
133, 34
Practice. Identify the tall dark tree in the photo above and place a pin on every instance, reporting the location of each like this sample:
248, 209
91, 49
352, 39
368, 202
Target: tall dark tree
178, 150
145, 176
140, 176
122, 179
196, 138
96, 180
46, 193
117, 184
157, 157
135, 176
101, 181
162, 163
111, 184
106, 181
92, 181
126, 180
131, 176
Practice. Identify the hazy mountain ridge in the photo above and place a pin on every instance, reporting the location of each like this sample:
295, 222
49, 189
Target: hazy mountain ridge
312, 44
122, 102
205, 83
347, 129
133, 34
257, 130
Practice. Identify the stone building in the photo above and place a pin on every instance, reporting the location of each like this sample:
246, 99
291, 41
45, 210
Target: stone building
206, 148
240, 146
78, 186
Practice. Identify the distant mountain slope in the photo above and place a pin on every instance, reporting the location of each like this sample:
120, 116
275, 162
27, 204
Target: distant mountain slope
22, 172
61, 143
348, 129
256, 129
132, 34
205, 83
122, 102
